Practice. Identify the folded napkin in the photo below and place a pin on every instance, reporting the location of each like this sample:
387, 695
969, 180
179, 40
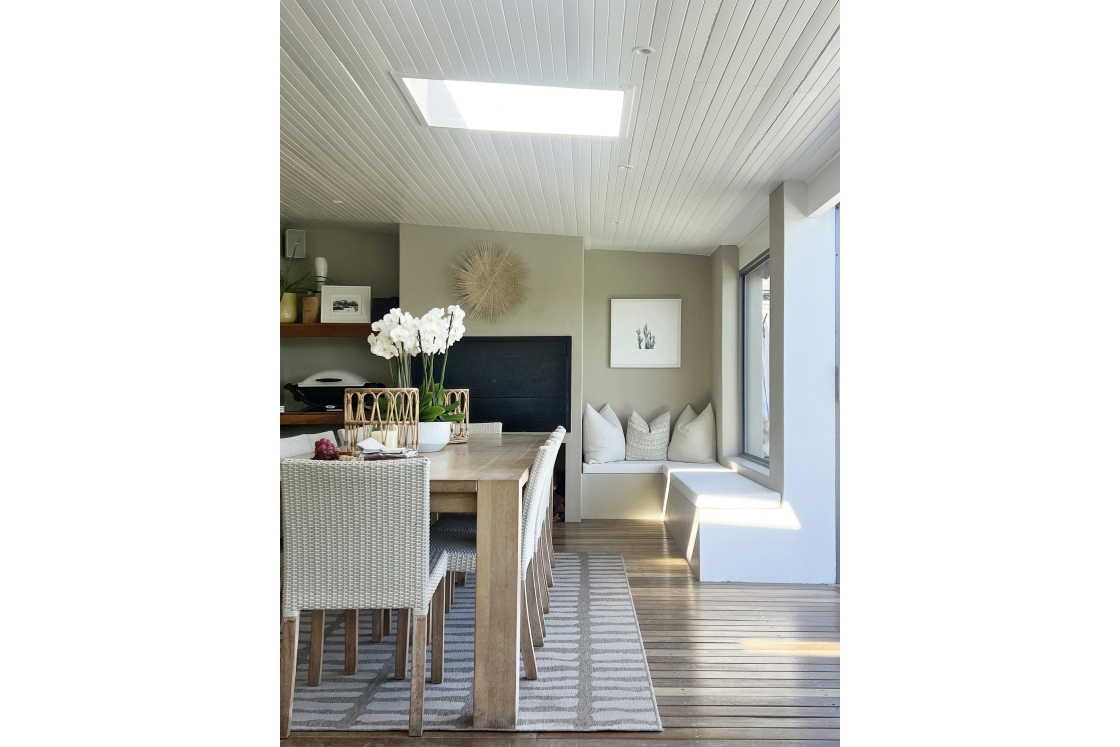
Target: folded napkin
390, 454
371, 446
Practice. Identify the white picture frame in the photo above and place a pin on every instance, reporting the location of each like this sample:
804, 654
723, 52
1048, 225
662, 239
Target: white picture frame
345, 304
638, 322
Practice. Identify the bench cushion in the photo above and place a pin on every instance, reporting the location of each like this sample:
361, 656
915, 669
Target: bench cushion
724, 490
622, 468
645, 468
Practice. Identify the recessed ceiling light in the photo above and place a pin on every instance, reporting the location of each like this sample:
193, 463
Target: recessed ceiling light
644, 50
626, 166
507, 107
337, 202
616, 222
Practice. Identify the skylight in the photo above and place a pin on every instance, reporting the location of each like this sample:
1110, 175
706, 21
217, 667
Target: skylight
506, 107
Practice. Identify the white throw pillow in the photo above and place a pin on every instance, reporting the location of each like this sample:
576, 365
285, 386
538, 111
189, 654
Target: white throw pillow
694, 437
647, 443
602, 436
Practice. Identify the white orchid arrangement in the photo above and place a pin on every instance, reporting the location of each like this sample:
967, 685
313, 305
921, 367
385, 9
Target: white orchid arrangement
399, 337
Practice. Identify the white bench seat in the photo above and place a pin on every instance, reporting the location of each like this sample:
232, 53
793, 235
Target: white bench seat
728, 520
632, 490
724, 489
644, 468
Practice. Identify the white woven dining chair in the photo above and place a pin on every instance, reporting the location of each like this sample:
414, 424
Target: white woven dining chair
486, 429
356, 537
537, 494
295, 446
542, 539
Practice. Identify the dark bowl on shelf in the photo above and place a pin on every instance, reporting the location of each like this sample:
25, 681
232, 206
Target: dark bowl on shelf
323, 398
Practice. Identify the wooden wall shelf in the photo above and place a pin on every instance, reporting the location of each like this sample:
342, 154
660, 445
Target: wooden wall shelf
311, 418
360, 329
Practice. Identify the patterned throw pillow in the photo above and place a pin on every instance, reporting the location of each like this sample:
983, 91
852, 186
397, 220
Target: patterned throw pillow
646, 443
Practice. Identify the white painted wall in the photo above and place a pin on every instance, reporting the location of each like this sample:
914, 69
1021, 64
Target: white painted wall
802, 261
756, 244
823, 189
802, 389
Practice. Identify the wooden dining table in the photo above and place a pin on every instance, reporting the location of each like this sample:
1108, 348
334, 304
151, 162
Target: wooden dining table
485, 476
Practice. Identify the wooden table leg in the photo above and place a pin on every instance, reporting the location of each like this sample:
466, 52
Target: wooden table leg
497, 603
289, 633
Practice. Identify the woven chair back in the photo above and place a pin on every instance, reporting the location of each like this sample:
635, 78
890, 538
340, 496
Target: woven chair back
300, 445
460, 431
486, 429
384, 414
530, 506
545, 484
355, 534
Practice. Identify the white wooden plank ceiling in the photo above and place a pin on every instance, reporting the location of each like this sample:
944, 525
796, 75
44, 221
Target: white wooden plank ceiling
739, 96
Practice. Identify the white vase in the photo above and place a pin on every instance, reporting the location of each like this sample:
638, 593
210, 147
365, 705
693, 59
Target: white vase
434, 436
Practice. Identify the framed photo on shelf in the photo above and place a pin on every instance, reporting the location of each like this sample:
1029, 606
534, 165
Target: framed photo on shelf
645, 333
345, 304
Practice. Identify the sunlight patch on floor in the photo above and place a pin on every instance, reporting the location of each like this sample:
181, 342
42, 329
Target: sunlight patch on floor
794, 648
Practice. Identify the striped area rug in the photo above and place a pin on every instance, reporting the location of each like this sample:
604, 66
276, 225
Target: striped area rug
593, 674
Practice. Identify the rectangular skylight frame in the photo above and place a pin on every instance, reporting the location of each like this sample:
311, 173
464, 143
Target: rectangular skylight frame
625, 121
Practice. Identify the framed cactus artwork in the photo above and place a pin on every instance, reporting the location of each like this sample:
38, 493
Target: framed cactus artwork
645, 333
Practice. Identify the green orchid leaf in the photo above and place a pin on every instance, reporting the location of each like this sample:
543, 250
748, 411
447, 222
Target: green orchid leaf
429, 414
456, 418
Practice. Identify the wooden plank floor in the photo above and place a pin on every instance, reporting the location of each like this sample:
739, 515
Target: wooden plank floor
733, 664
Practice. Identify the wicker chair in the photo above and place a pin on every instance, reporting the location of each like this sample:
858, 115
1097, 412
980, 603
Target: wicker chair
299, 445
532, 531
486, 429
357, 537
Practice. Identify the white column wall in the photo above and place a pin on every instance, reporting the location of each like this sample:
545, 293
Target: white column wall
802, 262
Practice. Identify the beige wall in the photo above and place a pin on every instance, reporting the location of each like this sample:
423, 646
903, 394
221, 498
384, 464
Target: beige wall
353, 258
649, 391
724, 280
554, 305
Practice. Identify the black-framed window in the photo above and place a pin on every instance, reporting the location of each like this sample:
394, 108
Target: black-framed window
754, 364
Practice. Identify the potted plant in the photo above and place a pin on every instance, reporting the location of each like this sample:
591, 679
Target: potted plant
290, 290
398, 337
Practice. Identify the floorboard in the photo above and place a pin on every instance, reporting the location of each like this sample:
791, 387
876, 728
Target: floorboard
733, 665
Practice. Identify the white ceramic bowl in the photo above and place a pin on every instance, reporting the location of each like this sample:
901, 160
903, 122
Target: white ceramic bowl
434, 436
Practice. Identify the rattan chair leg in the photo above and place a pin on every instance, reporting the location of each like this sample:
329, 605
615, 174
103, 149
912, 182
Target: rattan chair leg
315, 657
402, 644
439, 618
351, 658
419, 664
528, 656
378, 634
289, 634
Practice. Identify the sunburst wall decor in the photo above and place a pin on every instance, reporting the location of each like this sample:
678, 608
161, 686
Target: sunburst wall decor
490, 280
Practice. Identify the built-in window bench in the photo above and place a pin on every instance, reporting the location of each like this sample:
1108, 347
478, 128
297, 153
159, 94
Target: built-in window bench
733, 520
631, 490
